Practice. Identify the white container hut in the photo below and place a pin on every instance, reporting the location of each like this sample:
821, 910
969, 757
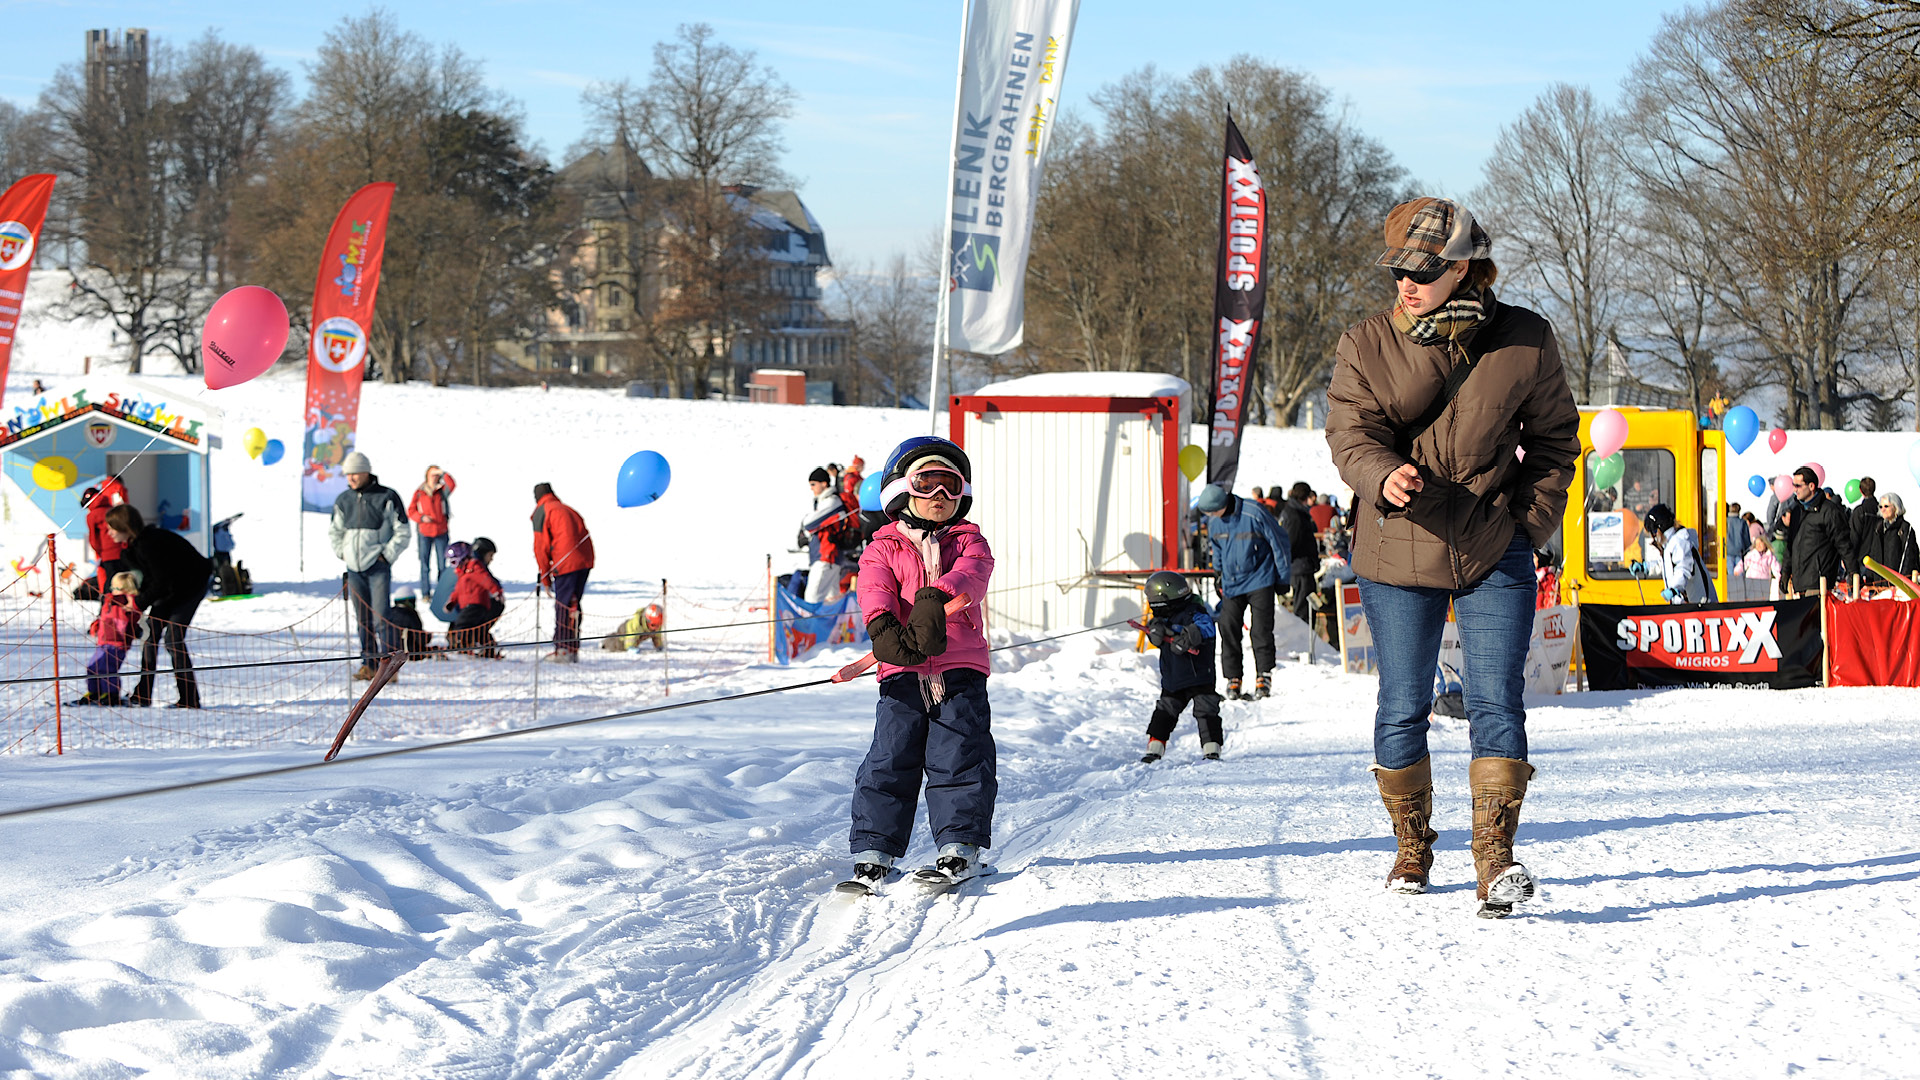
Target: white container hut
1078, 489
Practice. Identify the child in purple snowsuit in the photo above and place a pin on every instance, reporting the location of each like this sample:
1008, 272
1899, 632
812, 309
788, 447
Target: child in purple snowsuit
115, 629
932, 722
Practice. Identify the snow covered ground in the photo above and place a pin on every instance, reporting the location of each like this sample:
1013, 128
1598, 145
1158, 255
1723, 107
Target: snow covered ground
1731, 880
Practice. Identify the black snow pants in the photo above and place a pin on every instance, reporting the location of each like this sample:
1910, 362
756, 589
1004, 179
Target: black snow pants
1206, 713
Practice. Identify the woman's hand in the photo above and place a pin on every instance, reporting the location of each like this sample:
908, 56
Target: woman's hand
1401, 484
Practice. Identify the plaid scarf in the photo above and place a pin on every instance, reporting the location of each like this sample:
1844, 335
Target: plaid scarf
933, 686
1458, 318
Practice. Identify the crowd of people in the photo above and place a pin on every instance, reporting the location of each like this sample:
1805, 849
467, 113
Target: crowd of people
150, 580
1812, 540
370, 530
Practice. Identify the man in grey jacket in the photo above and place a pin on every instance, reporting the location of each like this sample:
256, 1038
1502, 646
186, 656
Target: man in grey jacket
369, 533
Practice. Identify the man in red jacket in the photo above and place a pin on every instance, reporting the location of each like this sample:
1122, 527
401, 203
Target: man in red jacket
563, 550
106, 550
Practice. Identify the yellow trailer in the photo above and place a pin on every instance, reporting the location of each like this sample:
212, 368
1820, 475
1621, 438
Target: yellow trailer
1669, 459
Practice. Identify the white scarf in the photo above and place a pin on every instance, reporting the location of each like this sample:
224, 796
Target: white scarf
933, 687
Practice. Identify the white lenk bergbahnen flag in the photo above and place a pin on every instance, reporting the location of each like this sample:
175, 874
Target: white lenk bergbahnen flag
1013, 61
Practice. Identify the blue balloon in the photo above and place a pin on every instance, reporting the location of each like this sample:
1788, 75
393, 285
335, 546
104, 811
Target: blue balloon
274, 452
1757, 485
1740, 426
643, 479
870, 489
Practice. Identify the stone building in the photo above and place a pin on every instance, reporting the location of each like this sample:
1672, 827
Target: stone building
612, 280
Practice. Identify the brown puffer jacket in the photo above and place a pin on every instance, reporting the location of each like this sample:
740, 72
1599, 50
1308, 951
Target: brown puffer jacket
1455, 530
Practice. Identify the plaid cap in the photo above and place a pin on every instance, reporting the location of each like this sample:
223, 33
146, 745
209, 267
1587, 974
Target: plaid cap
1428, 233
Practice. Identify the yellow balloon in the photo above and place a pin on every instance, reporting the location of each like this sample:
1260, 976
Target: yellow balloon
55, 473
255, 441
1193, 462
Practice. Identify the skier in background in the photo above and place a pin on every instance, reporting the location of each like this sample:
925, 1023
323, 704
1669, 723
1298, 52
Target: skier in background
1252, 555
1180, 627
563, 552
933, 721
1685, 573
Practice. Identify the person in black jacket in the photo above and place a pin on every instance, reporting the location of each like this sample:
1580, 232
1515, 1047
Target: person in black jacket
174, 579
1295, 518
1891, 541
1182, 630
1822, 537
1866, 514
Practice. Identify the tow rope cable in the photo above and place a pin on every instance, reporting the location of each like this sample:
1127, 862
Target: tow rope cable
375, 755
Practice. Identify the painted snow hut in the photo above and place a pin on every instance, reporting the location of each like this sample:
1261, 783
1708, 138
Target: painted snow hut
1078, 489
72, 437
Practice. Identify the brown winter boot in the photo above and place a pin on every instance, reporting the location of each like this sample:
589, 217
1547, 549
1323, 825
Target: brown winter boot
1408, 794
1499, 785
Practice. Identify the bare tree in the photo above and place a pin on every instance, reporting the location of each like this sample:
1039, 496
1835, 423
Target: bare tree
1758, 136
892, 317
226, 103
1555, 197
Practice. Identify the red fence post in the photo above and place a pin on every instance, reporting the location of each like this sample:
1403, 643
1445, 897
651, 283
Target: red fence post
53, 605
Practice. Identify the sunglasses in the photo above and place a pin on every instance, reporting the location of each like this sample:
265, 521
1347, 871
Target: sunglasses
1421, 277
943, 482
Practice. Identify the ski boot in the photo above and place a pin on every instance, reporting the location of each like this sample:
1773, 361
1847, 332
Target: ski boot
957, 863
1233, 691
1156, 749
1210, 751
1263, 685
870, 870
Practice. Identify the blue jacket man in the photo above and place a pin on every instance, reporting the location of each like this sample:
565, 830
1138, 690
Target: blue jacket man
1252, 556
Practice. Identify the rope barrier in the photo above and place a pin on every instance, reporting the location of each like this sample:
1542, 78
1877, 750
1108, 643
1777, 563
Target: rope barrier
376, 755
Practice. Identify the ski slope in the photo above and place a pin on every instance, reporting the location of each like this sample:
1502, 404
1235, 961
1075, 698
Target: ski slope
1730, 880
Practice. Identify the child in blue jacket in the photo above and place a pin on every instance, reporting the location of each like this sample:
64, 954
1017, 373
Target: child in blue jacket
1184, 633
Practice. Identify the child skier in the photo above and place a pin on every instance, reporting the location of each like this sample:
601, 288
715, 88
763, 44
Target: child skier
477, 601
117, 627
1183, 631
405, 620
932, 720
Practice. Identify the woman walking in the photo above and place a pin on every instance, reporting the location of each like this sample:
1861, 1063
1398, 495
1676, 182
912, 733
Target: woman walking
1428, 403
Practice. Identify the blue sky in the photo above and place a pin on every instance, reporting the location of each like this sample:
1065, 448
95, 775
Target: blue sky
875, 80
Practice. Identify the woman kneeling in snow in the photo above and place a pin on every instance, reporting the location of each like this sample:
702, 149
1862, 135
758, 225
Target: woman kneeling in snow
933, 719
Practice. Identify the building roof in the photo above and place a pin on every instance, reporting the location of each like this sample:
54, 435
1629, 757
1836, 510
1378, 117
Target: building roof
782, 213
1118, 384
607, 179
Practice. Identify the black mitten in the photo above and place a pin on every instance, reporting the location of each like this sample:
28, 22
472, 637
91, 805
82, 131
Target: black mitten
1159, 633
927, 622
890, 644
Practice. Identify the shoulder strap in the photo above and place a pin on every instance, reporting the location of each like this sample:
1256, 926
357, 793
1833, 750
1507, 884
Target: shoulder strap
1404, 440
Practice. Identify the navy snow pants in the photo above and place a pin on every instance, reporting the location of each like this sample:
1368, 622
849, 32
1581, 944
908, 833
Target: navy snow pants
952, 747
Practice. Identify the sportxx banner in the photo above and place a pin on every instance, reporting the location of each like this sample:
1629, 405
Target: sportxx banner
1239, 302
1013, 58
1766, 643
337, 351
23, 210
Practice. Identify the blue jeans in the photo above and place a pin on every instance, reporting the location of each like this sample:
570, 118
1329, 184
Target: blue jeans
368, 591
433, 557
1495, 616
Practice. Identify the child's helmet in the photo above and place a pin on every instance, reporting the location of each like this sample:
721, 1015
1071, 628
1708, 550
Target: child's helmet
457, 553
1165, 587
894, 493
483, 547
404, 594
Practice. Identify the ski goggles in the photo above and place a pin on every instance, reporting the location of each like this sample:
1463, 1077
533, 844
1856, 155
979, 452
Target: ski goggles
1421, 277
943, 482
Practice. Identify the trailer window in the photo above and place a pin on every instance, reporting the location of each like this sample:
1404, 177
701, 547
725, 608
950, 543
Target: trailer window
1613, 514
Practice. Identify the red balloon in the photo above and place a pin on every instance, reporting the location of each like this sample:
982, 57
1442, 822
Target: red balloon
1776, 439
245, 332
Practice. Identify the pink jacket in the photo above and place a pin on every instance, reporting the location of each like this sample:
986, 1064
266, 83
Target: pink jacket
891, 571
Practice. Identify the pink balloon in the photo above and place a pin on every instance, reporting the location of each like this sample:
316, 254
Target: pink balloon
1819, 471
245, 332
1776, 439
1782, 486
1609, 432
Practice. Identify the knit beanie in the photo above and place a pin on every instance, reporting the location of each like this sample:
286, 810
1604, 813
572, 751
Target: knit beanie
819, 476
541, 491
356, 462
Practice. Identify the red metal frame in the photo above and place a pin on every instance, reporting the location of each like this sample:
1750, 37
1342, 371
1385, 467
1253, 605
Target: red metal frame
1168, 408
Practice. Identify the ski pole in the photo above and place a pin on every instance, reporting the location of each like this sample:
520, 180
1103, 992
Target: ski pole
859, 667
